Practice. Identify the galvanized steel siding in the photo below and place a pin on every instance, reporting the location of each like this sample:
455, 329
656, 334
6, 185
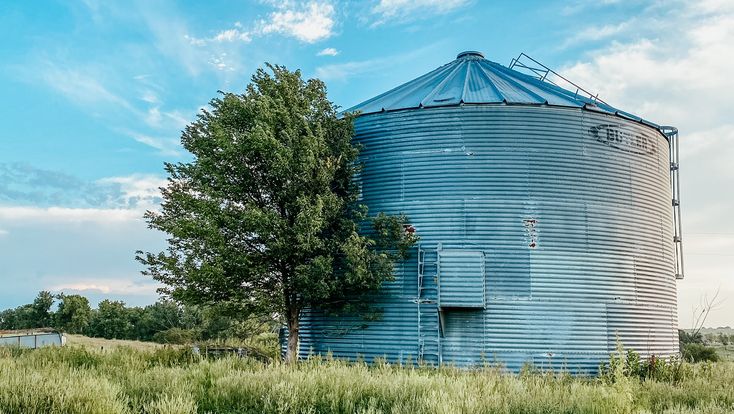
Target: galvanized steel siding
571, 210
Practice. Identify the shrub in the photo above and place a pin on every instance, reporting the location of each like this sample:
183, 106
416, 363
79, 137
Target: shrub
624, 365
689, 337
176, 336
699, 353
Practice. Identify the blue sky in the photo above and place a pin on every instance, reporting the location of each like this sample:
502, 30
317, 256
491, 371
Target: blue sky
95, 94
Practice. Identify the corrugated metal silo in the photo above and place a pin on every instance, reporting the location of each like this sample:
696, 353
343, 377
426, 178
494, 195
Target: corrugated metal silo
545, 219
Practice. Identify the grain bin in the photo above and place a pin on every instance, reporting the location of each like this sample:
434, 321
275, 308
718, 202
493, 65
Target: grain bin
547, 232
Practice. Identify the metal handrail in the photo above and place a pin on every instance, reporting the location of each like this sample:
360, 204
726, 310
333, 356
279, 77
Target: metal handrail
543, 71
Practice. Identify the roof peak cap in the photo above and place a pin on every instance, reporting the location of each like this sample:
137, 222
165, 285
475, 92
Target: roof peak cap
470, 54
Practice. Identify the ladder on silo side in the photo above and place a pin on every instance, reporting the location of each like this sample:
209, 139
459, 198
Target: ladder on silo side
672, 134
429, 323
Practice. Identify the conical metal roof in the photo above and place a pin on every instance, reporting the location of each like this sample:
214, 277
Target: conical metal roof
472, 79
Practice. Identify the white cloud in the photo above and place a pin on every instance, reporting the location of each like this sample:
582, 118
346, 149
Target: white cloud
165, 120
195, 41
149, 97
329, 51
231, 35
405, 10
68, 215
308, 23
680, 74
44, 248
139, 191
595, 33
104, 286
153, 117
177, 119
223, 63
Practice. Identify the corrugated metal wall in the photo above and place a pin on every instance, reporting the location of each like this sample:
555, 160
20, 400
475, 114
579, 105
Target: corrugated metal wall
32, 339
571, 210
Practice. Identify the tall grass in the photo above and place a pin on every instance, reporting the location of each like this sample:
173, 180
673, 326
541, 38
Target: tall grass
123, 380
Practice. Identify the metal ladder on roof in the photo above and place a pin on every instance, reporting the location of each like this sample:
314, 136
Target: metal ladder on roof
529, 66
429, 323
672, 134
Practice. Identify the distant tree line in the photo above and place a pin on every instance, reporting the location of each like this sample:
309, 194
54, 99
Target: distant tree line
696, 347
164, 321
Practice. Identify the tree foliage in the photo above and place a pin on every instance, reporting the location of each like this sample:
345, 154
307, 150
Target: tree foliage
74, 314
266, 219
30, 316
111, 320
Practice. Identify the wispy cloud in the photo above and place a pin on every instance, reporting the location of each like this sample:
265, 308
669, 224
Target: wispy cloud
231, 35
578, 6
343, 71
81, 85
596, 33
308, 23
407, 10
164, 144
104, 286
171, 37
329, 51
150, 97
223, 36
68, 215
22, 185
118, 100
136, 191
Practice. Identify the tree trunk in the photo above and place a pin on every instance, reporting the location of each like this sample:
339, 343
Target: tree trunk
294, 317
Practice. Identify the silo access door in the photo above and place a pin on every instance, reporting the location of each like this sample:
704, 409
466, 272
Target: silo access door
461, 287
461, 279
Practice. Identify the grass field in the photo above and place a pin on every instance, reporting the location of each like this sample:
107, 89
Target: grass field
726, 352
121, 379
101, 344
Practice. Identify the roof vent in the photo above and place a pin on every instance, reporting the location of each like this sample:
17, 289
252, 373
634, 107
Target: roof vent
470, 53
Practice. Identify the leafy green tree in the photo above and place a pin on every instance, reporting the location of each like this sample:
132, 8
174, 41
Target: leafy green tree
12, 318
110, 320
41, 314
266, 217
74, 313
158, 317
22, 317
